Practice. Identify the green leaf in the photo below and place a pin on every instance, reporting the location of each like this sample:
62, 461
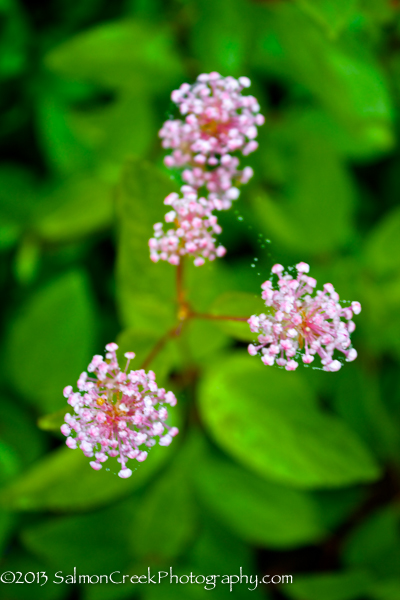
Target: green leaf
318, 198
53, 421
65, 154
80, 205
19, 431
346, 585
358, 400
332, 15
51, 341
221, 35
84, 541
375, 544
9, 463
27, 260
237, 304
385, 590
124, 54
382, 250
262, 513
344, 77
268, 420
19, 195
111, 133
146, 290
64, 481
166, 520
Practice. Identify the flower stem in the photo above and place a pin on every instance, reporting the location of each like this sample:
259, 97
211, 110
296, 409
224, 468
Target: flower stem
175, 331
218, 317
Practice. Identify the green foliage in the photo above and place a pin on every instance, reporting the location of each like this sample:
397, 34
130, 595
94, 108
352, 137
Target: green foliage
165, 521
126, 53
258, 511
145, 296
64, 542
237, 304
271, 424
56, 327
63, 481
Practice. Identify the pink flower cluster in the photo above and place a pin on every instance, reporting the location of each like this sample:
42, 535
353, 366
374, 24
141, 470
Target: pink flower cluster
219, 120
300, 323
117, 412
195, 226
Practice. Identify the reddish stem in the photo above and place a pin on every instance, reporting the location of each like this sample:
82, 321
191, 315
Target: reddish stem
175, 331
180, 292
218, 317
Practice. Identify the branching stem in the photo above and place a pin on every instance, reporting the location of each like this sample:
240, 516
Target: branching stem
185, 313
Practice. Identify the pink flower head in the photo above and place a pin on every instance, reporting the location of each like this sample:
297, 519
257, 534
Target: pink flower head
302, 323
117, 413
218, 120
194, 228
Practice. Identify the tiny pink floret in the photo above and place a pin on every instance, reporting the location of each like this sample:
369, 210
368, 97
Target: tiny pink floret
117, 412
302, 323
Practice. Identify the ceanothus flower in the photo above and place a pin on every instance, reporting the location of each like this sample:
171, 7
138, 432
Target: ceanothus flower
193, 231
117, 413
218, 121
302, 323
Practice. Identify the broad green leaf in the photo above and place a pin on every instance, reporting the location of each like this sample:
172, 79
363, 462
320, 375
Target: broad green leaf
383, 245
145, 290
124, 54
200, 342
316, 204
53, 421
18, 430
388, 589
268, 420
344, 77
332, 15
84, 541
64, 153
64, 481
81, 204
375, 544
212, 36
166, 519
19, 195
358, 400
237, 304
27, 260
51, 341
9, 463
262, 513
344, 585
111, 133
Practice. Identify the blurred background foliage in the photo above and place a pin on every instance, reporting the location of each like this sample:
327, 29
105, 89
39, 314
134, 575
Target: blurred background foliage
287, 473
